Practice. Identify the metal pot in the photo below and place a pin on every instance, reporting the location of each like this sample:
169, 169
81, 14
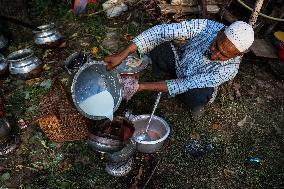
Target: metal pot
47, 37
71, 69
4, 69
3, 42
104, 144
5, 128
159, 131
124, 154
23, 64
119, 169
91, 79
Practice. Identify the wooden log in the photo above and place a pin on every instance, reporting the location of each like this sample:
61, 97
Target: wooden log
167, 8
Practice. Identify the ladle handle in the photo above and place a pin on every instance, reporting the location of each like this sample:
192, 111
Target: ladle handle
154, 109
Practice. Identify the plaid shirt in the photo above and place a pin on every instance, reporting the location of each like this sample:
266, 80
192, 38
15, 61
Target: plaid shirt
194, 69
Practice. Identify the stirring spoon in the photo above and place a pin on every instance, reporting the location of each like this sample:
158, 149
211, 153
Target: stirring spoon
145, 136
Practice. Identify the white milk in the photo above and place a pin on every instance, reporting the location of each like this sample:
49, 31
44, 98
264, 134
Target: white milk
101, 104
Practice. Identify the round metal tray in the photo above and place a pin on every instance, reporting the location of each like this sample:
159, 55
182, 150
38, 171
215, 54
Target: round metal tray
123, 68
91, 79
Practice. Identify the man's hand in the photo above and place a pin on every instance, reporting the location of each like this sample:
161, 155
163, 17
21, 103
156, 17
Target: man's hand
113, 61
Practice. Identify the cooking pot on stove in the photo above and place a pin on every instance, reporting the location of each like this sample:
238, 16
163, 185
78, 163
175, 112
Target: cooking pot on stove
47, 36
23, 64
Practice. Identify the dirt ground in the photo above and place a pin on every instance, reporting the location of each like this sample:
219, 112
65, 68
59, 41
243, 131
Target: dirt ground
244, 124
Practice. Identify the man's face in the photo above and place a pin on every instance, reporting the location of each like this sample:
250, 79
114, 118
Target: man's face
222, 48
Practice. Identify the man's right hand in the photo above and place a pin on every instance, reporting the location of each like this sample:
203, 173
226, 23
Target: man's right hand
113, 60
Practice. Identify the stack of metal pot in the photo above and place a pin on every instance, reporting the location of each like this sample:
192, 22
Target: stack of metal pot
114, 140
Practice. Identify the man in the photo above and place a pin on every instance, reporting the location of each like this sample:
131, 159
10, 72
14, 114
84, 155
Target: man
210, 57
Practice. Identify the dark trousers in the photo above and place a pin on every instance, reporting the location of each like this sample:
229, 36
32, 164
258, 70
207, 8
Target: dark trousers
164, 65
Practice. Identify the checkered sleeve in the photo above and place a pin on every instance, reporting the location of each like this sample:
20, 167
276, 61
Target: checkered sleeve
156, 35
213, 78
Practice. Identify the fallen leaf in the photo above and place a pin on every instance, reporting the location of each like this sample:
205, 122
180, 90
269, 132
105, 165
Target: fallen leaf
5, 176
27, 95
242, 122
46, 67
85, 44
216, 126
237, 88
95, 51
194, 135
46, 84
30, 82
137, 178
74, 35
62, 45
259, 100
46, 53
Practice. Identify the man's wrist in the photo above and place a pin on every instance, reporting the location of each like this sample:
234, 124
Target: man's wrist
141, 87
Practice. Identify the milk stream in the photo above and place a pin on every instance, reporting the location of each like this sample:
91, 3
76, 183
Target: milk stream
101, 104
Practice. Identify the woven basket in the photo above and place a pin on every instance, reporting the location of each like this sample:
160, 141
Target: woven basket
59, 119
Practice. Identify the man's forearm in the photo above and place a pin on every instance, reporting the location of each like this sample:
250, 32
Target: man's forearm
160, 86
128, 50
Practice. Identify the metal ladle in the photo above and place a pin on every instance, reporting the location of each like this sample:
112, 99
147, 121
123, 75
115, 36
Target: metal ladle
144, 136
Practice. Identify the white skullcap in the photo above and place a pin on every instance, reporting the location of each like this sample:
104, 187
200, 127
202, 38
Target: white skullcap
241, 34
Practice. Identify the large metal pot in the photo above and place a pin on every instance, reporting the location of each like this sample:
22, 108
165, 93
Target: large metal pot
91, 79
159, 131
4, 69
3, 42
47, 37
23, 64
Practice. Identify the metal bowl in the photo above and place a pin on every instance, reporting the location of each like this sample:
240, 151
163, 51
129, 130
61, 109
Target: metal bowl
158, 128
91, 79
4, 68
103, 144
3, 42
